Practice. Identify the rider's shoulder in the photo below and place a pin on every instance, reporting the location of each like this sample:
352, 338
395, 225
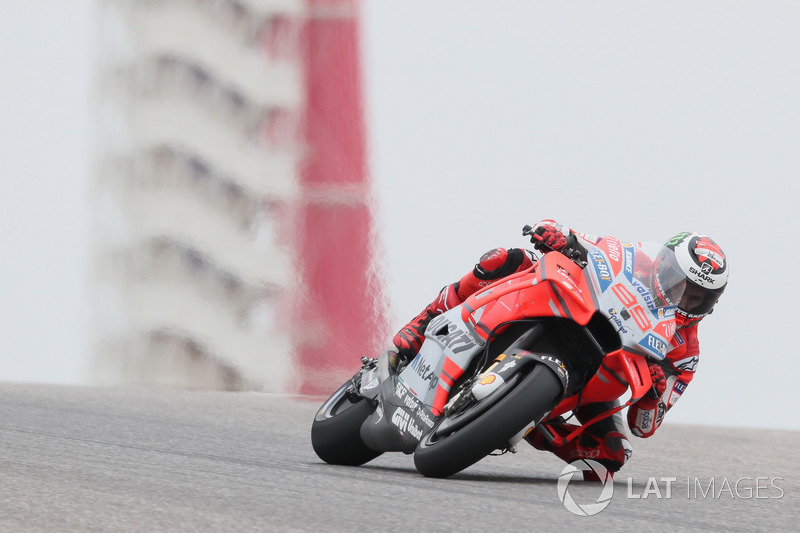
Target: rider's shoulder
685, 352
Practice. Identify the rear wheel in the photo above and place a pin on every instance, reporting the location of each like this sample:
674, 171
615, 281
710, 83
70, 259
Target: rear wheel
336, 431
461, 439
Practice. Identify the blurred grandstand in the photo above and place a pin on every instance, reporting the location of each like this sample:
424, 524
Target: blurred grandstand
235, 233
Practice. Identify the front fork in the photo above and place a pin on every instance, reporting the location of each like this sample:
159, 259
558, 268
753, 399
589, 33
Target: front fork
503, 368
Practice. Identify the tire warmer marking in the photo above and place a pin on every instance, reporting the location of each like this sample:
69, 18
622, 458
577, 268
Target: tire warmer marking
450, 373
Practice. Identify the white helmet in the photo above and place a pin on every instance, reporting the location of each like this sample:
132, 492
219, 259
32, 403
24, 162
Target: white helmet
703, 265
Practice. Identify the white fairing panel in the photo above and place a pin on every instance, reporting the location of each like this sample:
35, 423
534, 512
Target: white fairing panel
446, 337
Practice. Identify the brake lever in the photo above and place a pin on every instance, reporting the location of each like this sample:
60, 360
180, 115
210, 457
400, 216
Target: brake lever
573, 255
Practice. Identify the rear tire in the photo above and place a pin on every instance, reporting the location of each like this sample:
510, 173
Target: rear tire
444, 453
335, 433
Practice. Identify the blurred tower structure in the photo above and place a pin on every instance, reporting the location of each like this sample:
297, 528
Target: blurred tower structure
234, 224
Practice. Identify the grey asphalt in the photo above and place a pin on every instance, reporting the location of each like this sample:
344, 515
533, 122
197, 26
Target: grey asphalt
91, 459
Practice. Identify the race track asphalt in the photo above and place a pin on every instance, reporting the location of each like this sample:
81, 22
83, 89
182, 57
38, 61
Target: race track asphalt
93, 459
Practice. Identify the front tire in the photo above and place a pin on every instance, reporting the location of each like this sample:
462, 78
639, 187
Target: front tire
454, 445
335, 433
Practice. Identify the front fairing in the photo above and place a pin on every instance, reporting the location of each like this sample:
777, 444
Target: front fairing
618, 283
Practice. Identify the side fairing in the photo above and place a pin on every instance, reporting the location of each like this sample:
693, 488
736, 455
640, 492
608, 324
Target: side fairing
450, 345
555, 287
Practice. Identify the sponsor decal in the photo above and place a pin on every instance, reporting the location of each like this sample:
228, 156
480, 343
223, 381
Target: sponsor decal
655, 345
702, 277
677, 338
424, 418
455, 339
662, 410
645, 294
560, 367
628, 252
510, 364
666, 329
614, 249
675, 393
488, 380
687, 365
400, 390
406, 396
487, 387
601, 268
644, 420
425, 371
616, 319
410, 401
666, 312
709, 255
566, 279
405, 424
676, 240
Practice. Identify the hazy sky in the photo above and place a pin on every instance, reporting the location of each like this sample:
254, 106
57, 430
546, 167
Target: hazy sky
636, 119
46, 126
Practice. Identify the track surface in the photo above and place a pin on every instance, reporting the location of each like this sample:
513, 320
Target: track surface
83, 459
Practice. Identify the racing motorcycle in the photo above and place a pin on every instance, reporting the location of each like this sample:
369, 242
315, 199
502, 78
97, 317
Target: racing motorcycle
577, 327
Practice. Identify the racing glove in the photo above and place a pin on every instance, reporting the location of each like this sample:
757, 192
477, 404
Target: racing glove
659, 382
547, 237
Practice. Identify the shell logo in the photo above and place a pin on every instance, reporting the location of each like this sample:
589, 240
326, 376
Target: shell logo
488, 380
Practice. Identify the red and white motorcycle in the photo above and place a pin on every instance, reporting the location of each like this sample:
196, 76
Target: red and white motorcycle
571, 330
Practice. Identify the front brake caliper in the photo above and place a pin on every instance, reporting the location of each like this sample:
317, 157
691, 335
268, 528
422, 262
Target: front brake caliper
461, 399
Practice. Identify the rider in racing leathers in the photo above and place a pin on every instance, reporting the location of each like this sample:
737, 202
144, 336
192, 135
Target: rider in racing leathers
705, 267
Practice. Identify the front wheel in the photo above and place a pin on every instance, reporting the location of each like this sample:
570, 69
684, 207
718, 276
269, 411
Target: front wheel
335, 433
462, 439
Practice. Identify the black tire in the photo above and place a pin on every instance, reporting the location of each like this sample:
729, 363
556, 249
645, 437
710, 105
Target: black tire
335, 433
482, 429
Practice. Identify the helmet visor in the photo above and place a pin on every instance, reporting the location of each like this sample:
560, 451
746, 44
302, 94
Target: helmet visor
670, 281
697, 300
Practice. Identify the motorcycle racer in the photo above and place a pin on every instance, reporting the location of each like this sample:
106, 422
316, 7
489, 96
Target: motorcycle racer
703, 266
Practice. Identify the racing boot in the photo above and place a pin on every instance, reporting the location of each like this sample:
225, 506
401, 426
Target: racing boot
610, 450
409, 339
